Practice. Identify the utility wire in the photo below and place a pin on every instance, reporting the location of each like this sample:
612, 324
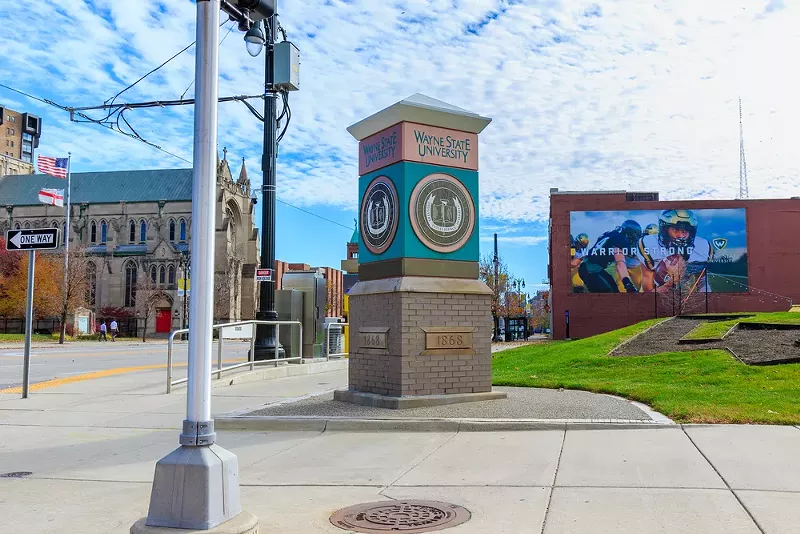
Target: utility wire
220, 44
136, 136
187, 47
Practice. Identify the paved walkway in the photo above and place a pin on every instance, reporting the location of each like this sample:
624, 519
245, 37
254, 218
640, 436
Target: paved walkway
92, 447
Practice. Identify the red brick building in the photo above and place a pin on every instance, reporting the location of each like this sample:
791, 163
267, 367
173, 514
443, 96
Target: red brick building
772, 257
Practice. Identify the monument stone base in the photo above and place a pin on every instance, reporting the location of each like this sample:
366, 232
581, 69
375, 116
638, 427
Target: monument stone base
419, 337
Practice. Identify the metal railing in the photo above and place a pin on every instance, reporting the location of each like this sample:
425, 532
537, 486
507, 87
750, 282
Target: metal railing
328, 354
221, 345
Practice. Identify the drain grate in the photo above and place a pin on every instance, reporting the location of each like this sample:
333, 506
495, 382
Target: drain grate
410, 517
16, 474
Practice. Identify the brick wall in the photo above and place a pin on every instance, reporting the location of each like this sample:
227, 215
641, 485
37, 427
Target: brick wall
402, 369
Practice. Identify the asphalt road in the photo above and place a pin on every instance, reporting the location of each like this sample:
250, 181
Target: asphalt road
56, 361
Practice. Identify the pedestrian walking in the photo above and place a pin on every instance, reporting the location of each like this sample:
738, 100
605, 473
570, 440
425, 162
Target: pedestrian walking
114, 332
103, 330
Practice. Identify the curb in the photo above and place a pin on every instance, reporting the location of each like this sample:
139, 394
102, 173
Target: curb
282, 371
332, 424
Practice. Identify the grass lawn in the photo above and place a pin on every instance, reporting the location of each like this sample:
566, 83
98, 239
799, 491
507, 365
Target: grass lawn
703, 386
711, 329
20, 338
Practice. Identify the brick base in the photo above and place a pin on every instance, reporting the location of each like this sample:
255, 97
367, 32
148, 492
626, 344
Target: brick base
405, 367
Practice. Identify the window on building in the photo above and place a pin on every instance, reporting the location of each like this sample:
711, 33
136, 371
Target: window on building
93, 232
55, 224
16, 226
171, 276
12, 144
172, 229
103, 231
183, 230
27, 226
153, 274
91, 277
142, 231
162, 275
130, 285
64, 235
132, 232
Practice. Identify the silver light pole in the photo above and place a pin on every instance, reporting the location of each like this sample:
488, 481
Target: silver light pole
197, 485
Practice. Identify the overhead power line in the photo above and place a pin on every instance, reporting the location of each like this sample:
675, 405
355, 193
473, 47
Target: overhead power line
136, 136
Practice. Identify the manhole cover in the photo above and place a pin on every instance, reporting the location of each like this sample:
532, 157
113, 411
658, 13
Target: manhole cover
400, 516
16, 474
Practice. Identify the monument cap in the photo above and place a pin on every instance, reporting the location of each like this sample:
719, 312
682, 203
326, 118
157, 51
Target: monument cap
420, 109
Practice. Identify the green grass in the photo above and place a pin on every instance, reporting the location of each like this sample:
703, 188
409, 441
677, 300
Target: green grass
712, 330
20, 338
703, 386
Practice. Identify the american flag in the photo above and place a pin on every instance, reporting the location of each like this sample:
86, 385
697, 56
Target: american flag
54, 197
53, 166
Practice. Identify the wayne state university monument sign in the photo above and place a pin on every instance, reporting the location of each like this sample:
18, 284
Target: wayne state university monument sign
420, 319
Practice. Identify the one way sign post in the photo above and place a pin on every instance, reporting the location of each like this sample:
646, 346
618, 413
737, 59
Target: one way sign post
37, 239
30, 240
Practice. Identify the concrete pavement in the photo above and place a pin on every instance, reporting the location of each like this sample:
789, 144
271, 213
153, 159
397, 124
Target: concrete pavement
92, 447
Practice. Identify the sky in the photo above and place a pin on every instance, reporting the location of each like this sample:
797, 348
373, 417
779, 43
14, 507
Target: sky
584, 95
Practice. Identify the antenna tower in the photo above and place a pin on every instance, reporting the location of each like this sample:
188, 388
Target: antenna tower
743, 192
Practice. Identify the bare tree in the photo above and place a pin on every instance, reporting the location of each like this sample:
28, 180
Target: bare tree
76, 287
147, 295
227, 286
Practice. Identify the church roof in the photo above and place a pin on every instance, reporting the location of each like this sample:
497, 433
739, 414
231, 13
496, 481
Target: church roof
101, 187
243, 174
354, 239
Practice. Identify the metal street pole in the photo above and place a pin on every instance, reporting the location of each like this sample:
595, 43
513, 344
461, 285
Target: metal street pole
265, 335
496, 291
196, 486
26, 357
63, 331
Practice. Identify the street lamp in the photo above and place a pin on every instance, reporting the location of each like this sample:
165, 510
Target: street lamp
255, 39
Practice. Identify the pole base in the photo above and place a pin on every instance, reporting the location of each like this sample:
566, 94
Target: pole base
244, 523
195, 488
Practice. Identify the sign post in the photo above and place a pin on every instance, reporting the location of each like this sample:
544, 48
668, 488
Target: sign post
30, 240
26, 359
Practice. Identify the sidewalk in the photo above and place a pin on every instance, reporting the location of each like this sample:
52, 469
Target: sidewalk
92, 454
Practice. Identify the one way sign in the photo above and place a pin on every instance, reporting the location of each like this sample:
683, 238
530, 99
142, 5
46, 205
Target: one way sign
39, 239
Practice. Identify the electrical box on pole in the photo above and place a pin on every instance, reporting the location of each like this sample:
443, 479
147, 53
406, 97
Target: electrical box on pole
287, 66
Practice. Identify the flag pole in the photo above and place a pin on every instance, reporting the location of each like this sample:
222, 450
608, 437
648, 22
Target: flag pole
66, 249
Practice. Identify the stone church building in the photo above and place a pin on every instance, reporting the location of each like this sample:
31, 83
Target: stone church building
136, 227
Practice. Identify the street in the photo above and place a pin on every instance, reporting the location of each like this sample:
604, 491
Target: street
95, 360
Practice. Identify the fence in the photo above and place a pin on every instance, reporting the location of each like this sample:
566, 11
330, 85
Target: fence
40, 326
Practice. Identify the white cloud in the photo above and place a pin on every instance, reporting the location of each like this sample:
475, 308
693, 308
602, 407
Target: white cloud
605, 95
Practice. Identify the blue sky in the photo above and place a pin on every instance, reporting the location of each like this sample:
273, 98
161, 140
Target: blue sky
583, 95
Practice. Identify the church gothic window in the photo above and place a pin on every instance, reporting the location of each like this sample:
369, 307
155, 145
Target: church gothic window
172, 229
93, 232
142, 231
153, 274
91, 276
183, 230
162, 275
103, 231
171, 276
16, 226
132, 232
27, 226
55, 224
130, 285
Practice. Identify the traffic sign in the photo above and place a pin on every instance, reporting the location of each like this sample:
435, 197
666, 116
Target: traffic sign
38, 239
263, 275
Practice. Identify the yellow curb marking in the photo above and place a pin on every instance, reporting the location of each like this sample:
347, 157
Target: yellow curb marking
95, 374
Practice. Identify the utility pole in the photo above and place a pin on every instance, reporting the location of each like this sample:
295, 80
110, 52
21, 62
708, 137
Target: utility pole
197, 485
265, 335
496, 290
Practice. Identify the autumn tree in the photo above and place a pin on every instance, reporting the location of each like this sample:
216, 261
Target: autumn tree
46, 291
498, 285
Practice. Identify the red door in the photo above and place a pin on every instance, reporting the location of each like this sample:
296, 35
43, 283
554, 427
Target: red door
163, 321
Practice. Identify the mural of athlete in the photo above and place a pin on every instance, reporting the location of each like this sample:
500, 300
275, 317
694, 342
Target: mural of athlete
674, 252
612, 247
578, 249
